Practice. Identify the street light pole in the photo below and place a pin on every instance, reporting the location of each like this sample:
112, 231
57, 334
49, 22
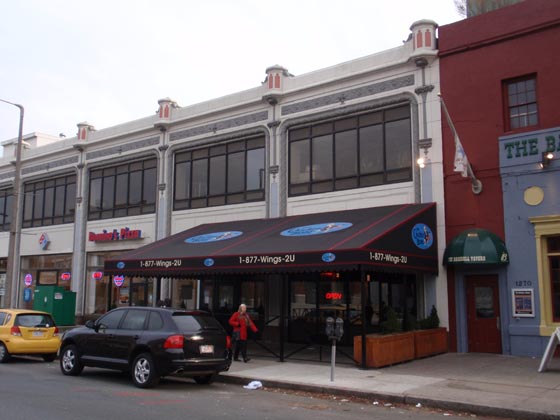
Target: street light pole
14, 229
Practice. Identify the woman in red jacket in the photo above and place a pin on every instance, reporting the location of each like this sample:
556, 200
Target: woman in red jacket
240, 320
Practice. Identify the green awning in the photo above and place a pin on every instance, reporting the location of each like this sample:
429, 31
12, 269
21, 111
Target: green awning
476, 247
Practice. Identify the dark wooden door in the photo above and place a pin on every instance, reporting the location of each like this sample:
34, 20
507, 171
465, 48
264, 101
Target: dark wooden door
483, 314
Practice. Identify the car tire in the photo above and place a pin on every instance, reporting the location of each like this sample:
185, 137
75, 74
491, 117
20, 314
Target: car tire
204, 380
144, 373
70, 361
50, 357
4, 353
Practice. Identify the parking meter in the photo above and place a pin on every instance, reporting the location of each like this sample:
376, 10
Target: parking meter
330, 329
339, 328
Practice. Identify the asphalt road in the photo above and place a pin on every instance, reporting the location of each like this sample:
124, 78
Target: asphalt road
31, 389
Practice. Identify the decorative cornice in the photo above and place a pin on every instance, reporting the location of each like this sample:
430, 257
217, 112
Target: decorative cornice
348, 95
220, 125
125, 147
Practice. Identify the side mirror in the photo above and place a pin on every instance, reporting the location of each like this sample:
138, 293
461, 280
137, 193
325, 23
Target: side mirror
90, 323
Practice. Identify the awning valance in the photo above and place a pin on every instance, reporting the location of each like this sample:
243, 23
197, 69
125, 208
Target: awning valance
396, 238
476, 247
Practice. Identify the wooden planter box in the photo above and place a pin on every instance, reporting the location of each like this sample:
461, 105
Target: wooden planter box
430, 342
385, 350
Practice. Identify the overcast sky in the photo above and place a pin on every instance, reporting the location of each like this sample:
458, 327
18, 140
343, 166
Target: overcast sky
108, 62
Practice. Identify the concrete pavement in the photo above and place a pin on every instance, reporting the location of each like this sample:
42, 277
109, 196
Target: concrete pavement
483, 384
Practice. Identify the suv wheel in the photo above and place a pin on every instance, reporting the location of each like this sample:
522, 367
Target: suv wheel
144, 373
4, 354
203, 380
69, 361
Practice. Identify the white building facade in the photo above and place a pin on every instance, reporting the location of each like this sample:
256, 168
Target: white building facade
340, 138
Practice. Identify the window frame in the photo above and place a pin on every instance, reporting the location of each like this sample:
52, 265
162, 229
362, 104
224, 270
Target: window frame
507, 106
7, 195
32, 190
117, 179
304, 136
545, 227
206, 158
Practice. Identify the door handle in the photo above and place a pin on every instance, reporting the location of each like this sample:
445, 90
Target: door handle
498, 323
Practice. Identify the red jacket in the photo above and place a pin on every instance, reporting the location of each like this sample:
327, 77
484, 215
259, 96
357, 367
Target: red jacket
240, 322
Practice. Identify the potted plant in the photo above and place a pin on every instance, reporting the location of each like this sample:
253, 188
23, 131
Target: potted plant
430, 339
390, 347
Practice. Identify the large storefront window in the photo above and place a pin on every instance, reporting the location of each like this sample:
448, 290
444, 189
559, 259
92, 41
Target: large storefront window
103, 293
49, 202
128, 189
6, 197
360, 151
218, 175
45, 270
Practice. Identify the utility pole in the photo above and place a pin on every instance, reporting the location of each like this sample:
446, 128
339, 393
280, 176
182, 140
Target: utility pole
11, 272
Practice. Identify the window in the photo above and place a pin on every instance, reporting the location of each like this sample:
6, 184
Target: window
111, 320
50, 202
224, 174
547, 241
134, 320
358, 151
553, 245
521, 102
6, 197
125, 190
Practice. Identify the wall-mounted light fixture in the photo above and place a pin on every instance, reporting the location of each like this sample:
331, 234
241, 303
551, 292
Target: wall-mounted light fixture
546, 158
424, 144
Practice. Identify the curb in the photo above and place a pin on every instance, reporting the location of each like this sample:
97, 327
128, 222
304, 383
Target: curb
398, 399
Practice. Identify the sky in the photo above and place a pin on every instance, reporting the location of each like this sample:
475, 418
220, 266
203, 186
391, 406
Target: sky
108, 62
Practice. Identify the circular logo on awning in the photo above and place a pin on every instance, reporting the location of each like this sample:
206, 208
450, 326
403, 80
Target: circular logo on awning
120, 265
208, 262
328, 257
318, 229
422, 236
213, 237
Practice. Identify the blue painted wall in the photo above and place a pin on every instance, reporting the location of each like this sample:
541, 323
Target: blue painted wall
520, 158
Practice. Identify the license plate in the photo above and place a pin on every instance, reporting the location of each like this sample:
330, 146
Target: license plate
38, 334
206, 349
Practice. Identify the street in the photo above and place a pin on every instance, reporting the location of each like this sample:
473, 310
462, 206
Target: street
31, 389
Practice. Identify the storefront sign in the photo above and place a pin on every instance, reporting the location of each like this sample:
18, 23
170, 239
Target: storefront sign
65, 276
44, 241
523, 303
532, 146
118, 280
27, 295
333, 295
28, 280
123, 234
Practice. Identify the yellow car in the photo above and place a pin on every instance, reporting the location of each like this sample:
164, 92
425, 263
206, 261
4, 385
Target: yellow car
26, 332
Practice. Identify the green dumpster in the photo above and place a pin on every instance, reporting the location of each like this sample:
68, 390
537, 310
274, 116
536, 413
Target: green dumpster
60, 303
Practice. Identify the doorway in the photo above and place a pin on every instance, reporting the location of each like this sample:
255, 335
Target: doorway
483, 314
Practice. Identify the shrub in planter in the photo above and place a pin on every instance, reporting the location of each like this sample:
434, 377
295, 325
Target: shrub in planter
430, 339
388, 348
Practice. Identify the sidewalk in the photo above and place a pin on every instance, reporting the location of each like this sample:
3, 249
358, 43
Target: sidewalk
483, 384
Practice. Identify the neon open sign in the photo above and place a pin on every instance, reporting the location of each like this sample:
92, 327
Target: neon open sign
333, 295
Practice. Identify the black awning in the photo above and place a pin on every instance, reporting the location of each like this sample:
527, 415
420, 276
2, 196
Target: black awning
395, 238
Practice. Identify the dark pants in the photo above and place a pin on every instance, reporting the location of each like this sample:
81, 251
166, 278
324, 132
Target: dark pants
240, 346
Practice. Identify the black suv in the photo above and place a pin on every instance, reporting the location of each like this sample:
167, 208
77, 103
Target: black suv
150, 343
